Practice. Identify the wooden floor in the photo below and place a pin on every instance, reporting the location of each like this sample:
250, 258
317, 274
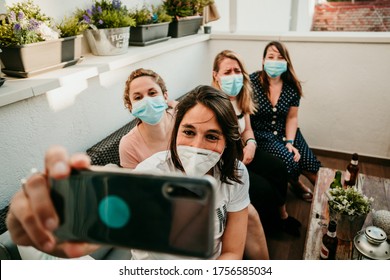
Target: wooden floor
282, 246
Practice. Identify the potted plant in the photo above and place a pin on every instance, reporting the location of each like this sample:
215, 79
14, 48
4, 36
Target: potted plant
152, 24
2, 80
349, 207
109, 27
32, 44
186, 16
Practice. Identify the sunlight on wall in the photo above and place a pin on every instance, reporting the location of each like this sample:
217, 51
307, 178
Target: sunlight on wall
63, 97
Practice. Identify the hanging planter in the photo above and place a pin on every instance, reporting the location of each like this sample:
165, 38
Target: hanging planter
108, 41
36, 58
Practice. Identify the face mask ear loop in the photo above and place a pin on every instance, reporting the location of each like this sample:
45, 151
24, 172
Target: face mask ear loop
213, 151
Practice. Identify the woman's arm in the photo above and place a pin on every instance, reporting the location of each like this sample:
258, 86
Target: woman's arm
233, 239
291, 129
250, 147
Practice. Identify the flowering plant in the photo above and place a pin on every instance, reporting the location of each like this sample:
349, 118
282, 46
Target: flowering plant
185, 8
106, 14
26, 24
349, 201
150, 14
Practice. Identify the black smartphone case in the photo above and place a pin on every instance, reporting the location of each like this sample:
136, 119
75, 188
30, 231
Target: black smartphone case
170, 214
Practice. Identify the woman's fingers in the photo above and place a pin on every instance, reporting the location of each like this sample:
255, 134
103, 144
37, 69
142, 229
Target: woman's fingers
292, 149
32, 217
57, 162
80, 161
25, 226
78, 249
58, 166
297, 155
38, 194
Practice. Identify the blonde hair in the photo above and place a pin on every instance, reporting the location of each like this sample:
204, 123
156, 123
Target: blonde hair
245, 97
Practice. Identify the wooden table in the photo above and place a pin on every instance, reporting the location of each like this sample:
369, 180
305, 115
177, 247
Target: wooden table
376, 187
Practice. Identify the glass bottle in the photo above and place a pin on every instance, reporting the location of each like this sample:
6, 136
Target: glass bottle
352, 172
329, 243
337, 180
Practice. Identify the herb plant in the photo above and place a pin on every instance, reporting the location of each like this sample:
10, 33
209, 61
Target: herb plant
106, 14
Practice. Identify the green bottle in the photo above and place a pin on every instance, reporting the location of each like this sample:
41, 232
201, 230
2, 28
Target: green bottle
337, 180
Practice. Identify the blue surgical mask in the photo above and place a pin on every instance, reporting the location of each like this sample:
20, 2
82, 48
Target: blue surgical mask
232, 84
275, 68
150, 109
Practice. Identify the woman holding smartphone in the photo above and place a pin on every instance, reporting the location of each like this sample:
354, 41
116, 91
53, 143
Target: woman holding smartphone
205, 122
146, 98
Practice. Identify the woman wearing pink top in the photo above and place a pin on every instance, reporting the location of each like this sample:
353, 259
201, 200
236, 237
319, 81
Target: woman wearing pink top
147, 99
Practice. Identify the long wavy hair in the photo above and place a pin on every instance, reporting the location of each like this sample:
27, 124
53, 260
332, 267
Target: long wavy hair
289, 76
219, 103
245, 97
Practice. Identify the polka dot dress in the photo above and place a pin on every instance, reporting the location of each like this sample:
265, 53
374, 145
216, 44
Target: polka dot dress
269, 125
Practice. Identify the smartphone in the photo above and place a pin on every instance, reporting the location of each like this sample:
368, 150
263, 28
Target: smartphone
163, 213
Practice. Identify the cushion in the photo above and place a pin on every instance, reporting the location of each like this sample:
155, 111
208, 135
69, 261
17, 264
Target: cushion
106, 151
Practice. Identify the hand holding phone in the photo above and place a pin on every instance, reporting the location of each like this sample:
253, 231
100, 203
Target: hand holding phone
171, 214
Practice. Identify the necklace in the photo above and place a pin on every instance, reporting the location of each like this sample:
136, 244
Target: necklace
240, 116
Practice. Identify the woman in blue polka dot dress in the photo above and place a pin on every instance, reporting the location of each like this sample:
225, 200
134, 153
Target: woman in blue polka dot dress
277, 91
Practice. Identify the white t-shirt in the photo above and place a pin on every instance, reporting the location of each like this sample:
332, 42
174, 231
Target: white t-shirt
228, 198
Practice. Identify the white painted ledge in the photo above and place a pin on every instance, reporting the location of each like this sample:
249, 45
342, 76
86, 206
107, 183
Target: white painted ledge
326, 37
17, 89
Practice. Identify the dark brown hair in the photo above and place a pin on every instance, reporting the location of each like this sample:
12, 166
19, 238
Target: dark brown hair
289, 76
219, 103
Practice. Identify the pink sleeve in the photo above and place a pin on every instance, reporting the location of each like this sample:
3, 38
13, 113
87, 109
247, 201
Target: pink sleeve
133, 149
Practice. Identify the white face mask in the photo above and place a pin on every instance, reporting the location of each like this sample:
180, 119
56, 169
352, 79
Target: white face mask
196, 161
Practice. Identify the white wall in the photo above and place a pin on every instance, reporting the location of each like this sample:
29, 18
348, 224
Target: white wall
346, 97
265, 16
